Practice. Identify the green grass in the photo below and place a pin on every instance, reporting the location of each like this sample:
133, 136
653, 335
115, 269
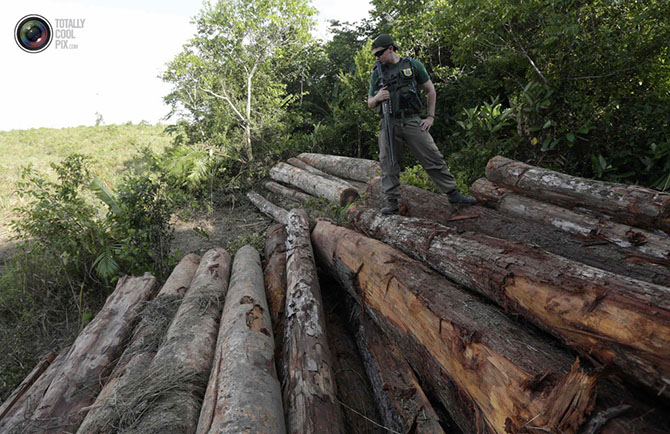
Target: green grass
114, 149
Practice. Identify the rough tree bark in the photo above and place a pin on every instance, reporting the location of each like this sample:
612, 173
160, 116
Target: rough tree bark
243, 394
274, 276
309, 392
629, 204
92, 357
17, 417
590, 250
313, 184
358, 169
607, 317
268, 208
136, 358
505, 200
290, 193
178, 373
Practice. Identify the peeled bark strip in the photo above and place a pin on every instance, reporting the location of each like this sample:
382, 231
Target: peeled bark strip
290, 193
309, 392
358, 169
268, 208
503, 199
243, 394
27, 383
177, 376
274, 276
611, 318
590, 250
313, 184
629, 204
499, 384
17, 417
140, 351
92, 357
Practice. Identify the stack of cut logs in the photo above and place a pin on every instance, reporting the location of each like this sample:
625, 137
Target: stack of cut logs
543, 309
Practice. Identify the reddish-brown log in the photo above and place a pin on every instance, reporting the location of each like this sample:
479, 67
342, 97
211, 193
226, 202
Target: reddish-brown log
289, 193
274, 275
608, 317
92, 357
268, 208
358, 169
629, 204
310, 390
313, 184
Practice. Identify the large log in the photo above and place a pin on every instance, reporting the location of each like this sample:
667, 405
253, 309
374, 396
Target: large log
104, 414
629, 204
243, 394
638, 240
27, 383
176, 379
92, 357
16, 419
607, 317
290, 193
358, 185
274, 275
416, 202
268, 208
310, 390
497, 382
358, 169
313, 184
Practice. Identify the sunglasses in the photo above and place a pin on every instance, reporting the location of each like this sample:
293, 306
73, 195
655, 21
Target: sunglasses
381, 52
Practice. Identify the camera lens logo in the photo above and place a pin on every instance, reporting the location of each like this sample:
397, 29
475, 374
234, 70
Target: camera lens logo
33, 33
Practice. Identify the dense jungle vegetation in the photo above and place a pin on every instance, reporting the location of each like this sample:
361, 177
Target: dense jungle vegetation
579, 86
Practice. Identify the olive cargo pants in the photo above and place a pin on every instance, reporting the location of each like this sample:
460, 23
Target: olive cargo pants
407, 131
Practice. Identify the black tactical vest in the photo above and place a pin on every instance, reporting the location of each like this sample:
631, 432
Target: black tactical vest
401, 81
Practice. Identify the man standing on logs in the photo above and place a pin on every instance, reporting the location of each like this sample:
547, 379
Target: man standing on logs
395, 79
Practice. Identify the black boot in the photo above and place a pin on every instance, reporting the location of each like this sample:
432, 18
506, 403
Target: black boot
391, 207
461, 199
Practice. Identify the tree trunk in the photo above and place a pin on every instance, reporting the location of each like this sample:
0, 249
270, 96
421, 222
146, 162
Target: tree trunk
358, 169
274, 276
349, 183
637, 240
416, 202
177, 377
27, 383
589, 309
629, 204
140, 351
268, 208
497, 382
309, 394
16, 418
290, 193
92, 357
312, 184
243, 394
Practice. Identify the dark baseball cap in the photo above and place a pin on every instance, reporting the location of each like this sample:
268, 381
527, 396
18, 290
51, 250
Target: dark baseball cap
383, 40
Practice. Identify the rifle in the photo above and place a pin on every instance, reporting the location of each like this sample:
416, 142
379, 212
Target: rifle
386, 110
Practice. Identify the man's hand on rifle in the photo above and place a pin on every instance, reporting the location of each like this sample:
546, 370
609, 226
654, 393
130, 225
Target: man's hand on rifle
382, 95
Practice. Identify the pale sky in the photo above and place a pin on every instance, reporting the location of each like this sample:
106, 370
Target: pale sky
122, 48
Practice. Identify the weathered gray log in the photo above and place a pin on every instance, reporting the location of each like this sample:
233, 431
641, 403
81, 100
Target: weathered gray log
17, 417
290, 193
358, 169
177, 377
268, 208
505, 200
350, 183
629, 204
486, 370
590, 250
243, 394
313, 184
92, 357
274, 275
591, 310
105, 413
310, 390
27, 383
